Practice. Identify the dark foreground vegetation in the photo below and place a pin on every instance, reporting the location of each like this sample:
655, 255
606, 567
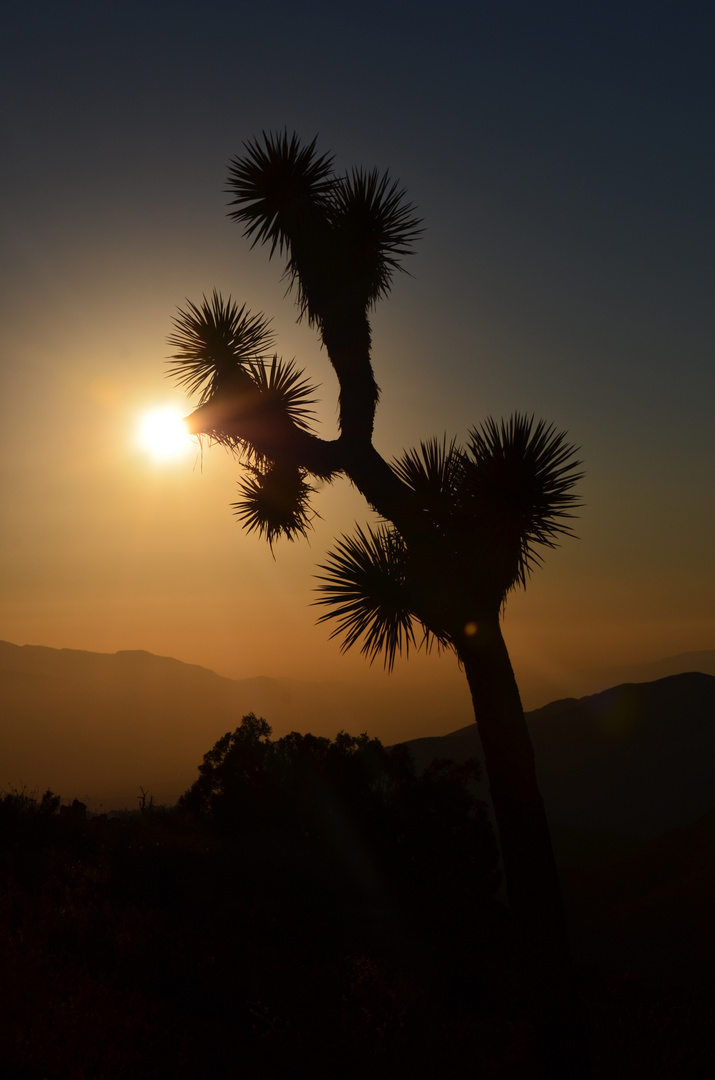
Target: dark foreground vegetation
311, 908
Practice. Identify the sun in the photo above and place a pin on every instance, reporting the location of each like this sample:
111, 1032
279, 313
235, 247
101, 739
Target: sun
163, 434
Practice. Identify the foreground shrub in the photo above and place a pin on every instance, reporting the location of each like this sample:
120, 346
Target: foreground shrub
311, 908
352, 806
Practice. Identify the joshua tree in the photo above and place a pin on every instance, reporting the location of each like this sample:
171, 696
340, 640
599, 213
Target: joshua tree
461, 525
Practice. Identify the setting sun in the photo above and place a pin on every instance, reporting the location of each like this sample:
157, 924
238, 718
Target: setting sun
163, 433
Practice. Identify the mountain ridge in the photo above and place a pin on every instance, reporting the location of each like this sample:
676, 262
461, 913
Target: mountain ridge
99, 726
634, 759
161, 716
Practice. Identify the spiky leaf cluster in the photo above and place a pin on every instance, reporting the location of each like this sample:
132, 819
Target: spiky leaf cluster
281, 189
496, 501
275, 502
373, 228
344, 235
242, 392
486, 509
516, 487
365, 585
285, 391
214, 341
431, 472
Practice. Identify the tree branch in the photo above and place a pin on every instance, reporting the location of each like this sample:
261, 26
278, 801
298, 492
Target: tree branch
276, 438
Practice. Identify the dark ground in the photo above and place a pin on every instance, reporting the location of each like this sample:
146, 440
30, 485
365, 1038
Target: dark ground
153, 945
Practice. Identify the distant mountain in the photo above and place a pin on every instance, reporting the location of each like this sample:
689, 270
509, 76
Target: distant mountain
89, 723
627, 776
538, 689
636, 759
633, 760
99, 726
602, 678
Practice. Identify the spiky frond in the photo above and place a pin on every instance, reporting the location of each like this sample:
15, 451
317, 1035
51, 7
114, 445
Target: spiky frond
516, 487
276, 502
431, 471
279, 186
365, 586
285, 389
215, 340
344, 236
374, 226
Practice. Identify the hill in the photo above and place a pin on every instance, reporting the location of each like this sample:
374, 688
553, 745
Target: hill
635, 759
629, 788
539, 688
98, 726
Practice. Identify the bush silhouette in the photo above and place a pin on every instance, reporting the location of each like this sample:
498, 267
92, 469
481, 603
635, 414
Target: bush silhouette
351, 806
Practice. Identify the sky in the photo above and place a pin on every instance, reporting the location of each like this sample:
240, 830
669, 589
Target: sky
561, 156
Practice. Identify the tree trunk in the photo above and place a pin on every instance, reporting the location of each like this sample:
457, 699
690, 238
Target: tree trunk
530, 872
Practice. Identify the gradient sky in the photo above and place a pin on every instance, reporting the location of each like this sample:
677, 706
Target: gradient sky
562, 157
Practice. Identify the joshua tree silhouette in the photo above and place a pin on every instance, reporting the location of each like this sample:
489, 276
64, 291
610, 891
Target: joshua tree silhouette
462, 525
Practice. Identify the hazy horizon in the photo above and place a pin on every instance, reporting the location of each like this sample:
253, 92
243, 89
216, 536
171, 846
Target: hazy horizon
102, 726
453, 695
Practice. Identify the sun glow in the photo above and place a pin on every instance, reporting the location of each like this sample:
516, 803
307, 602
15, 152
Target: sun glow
163, 434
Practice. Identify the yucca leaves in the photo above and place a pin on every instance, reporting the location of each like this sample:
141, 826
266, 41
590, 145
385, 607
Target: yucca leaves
516, 485
284, 389
275, 502
214, 341
431, 472
480, 513
344, 235
280, 187
500, 498
221, 356
365, 585
487, 508
373, 226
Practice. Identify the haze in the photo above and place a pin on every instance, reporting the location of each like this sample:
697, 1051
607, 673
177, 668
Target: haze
562, 159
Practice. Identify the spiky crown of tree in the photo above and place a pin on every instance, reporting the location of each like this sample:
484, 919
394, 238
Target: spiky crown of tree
216, 344
488, 508
344, 234
458, 521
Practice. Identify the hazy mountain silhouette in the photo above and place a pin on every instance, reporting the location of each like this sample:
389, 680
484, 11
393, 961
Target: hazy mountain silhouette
628, 781
539, 689
635, 759
626, 775
100, 725
602, 678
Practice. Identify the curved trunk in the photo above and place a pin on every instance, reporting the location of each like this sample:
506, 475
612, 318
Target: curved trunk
530, 872
346, 336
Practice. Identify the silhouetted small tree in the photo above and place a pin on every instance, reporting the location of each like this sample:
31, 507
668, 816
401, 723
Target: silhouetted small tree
350, 801
22, 812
